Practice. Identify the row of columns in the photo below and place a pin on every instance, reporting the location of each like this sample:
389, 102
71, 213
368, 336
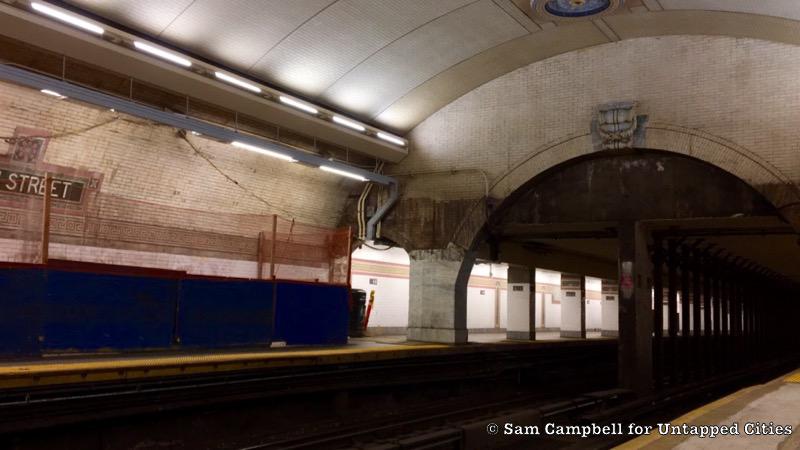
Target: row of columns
721, 313
684, 313
436, 316
522, 309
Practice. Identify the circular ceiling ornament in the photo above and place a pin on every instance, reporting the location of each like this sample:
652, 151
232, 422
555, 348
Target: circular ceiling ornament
573, 9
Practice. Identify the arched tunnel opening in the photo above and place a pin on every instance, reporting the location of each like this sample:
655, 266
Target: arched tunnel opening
699, 266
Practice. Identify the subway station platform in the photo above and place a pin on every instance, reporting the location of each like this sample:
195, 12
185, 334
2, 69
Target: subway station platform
74, 369
760, 413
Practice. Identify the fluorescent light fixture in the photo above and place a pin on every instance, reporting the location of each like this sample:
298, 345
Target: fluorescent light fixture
163, 54
237, 82
263, 151
343, 173
349, 123
195, 133
53, 93
389, 138
299, 105
67, 18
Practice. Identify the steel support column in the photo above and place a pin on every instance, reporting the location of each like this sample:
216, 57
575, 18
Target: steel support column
708, 330
635, 355
685, 346
672, 311
658, 312
725, 290
717, 304
697, 350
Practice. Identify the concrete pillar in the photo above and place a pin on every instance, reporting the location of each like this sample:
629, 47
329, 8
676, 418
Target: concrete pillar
573, 306
635, 354
437, 303
609, 297
521, 311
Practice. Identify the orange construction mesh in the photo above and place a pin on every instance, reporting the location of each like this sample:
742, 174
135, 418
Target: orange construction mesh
109, 229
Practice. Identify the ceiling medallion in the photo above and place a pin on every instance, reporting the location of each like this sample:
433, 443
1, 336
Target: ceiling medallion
573, 9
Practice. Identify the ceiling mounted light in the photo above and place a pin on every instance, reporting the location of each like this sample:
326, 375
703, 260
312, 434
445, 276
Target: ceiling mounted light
163, 54
67, 18
263, 151
52, 93
349, 123
343, 173
237, 82
389, 138
299, 105
574, 9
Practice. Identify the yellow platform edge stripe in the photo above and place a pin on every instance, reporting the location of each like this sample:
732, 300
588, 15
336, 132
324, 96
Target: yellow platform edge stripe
793, 378
61, 372
42, 373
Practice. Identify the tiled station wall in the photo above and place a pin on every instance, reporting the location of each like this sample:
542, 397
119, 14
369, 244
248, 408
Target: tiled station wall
738, 92
681, 80
161, 181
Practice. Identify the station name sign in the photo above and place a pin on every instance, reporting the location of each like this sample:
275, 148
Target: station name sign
33, 184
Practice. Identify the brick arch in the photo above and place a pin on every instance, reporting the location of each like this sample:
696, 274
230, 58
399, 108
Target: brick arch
749, 167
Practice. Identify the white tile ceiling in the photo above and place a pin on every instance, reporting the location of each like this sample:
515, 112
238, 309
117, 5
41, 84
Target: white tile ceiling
417, 56
360, 56
242, 31
337, 40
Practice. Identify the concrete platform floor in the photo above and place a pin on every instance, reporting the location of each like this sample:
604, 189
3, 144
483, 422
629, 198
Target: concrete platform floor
773, 404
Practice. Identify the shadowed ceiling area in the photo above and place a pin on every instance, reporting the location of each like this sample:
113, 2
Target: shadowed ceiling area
394, 63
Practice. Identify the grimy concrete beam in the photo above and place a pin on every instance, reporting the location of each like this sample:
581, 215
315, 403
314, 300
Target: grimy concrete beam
553, 259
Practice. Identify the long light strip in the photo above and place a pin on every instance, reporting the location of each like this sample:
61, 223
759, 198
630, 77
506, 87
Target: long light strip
163, 54
349, 123
343, 173
263, 151
52, 93
299, 105
177, 59
389, 138
237, 82
67, 18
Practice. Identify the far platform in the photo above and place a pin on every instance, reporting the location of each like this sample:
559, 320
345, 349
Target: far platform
80, 368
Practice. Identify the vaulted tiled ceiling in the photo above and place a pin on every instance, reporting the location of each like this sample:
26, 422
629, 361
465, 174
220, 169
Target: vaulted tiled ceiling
394, 62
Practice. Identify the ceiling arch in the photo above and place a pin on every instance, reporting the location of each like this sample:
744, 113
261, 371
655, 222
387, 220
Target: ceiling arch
393, 63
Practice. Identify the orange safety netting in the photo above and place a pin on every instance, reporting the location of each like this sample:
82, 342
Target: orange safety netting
109, 229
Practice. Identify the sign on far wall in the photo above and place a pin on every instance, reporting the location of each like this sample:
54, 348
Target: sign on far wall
25, 182
23, 171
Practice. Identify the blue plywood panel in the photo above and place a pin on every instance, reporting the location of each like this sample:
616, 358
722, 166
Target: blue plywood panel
311, 314
218, 313
22, 292
90, 311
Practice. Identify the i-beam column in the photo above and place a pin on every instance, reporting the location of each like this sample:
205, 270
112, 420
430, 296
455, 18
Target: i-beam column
658, 312
697, 350
685, 353
635, 354
707, 325
672, 311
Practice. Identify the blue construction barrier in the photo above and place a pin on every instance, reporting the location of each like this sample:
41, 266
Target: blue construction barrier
90, 311
21, 293
310, 314
224, 312
80, 307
